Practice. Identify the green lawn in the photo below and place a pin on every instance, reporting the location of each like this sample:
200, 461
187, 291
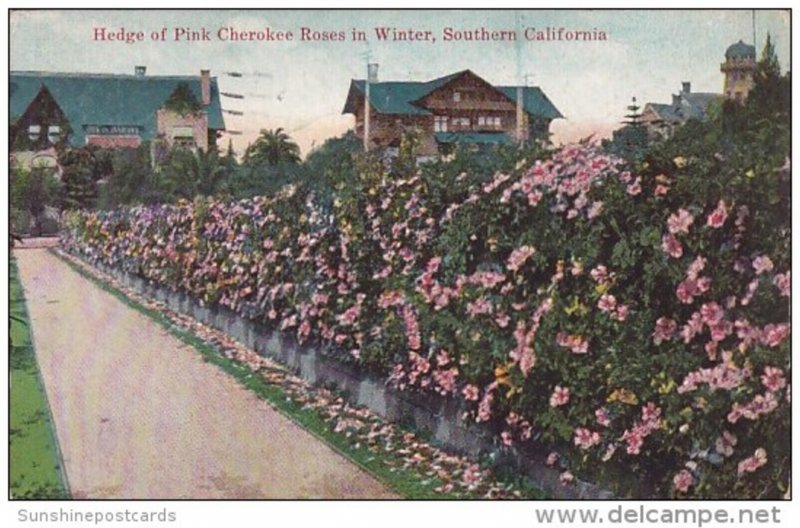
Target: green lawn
35, 465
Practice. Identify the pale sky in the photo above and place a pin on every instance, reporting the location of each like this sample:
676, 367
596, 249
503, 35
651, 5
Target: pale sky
302, 86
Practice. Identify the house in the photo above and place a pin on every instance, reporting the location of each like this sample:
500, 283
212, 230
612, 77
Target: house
457, 108
661, 120
47, 110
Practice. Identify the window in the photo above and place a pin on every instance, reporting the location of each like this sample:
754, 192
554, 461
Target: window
33, 132
481, 121
440, 124
465, 122
497, 121
53, 133
456, 96
183, 137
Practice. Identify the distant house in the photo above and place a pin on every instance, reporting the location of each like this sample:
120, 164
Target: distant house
457, 108
662, 119
114, 111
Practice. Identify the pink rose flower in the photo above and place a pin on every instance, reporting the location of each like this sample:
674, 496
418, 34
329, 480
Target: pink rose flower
783, 281
585, 438
665, 327
518, 257
635, 188
559, 397
672, 246
774, 334
601, 415
679, 222
718, 216
725, 443
762, 264
683, 480
750, 464
470, 392
773, 378
607, 302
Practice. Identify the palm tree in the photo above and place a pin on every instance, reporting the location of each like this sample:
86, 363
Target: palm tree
272, 147
191, 173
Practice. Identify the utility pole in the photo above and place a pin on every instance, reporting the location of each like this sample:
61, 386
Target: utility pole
521, 109
372, 76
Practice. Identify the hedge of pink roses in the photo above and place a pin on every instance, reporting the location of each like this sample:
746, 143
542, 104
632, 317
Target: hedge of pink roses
632, 325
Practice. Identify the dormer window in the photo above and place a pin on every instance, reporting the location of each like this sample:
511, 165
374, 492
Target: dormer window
456, 97
53, 133
34, 131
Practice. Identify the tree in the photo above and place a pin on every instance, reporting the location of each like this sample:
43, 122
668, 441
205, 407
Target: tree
630, 141
272, 147
80, 171
31, 192
333, 164
131, 179
189, 173
771, 90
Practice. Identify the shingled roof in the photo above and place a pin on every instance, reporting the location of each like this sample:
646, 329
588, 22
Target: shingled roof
105, 99
398, 97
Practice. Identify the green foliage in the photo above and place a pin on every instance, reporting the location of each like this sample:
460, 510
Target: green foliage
182, 101
131, 179
247, 181
188, 173
272, 147
81, 170
34, 464
31, 191
333, 165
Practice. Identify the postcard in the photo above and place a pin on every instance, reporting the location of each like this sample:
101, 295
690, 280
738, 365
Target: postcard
394, 255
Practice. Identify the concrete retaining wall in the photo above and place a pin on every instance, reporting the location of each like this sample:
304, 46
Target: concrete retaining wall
428, 413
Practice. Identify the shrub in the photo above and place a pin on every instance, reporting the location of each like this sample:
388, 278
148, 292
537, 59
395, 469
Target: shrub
633, 319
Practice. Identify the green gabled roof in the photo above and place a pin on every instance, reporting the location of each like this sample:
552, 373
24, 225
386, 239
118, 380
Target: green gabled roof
398, 97
473, 138
534, 101
103, 99
391, 97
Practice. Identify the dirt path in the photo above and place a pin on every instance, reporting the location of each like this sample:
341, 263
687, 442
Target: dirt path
140, 415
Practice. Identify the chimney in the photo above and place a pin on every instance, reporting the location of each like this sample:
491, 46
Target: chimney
676, 100
205, 86
687, 87
372, 72
139, 71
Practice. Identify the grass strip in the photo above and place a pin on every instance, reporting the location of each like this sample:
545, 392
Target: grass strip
384, 466
35, 465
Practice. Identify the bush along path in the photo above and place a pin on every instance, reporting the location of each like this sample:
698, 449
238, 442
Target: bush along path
633, 319
408, 464
35, 466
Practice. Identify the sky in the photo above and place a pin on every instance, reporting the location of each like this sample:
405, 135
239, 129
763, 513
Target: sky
301, 86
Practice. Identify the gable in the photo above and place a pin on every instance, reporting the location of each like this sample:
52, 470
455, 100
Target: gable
466, 91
